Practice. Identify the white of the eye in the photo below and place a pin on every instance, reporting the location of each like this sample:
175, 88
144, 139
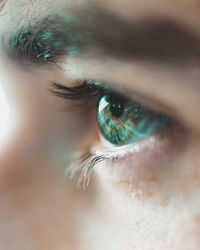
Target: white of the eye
113, 152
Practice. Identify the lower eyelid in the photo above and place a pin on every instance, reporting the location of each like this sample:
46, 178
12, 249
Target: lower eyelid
137, 162
113, 152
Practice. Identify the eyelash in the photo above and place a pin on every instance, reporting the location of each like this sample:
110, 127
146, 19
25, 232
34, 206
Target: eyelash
84, 91
80, 92
89, 92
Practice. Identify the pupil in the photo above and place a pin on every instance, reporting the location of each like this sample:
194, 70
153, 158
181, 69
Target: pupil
117, 108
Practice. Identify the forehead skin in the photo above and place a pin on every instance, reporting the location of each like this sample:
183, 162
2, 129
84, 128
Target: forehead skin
186, 13
23, 10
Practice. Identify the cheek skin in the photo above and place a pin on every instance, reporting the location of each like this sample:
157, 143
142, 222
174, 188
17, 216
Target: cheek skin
2, 4
143, 174
165, 201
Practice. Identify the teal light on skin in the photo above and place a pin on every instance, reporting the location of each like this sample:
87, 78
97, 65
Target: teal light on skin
40, 48
48, 42
99, 84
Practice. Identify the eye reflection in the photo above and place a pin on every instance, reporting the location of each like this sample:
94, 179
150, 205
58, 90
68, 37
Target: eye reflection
122, 121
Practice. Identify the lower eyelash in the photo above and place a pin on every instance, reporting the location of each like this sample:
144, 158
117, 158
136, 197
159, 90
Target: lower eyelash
84, 167
87, 161
122, 151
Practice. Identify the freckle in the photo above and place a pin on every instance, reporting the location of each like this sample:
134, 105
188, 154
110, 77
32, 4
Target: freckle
148, 194
138, 224
152, 178
197, 219
135, 195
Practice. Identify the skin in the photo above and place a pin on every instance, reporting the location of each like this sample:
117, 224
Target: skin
134, 203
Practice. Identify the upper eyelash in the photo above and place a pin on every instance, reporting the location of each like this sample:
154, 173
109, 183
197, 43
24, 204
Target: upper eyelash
86, 161
89, 91
82, 91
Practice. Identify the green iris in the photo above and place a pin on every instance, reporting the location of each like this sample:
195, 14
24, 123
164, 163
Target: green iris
122, 122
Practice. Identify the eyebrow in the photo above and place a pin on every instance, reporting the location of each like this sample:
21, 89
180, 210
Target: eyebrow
100, 33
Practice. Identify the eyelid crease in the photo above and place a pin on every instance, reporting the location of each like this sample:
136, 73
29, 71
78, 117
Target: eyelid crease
86, 162
92, 90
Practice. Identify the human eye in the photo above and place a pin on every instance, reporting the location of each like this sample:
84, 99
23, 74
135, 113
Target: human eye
123, 121
124, 127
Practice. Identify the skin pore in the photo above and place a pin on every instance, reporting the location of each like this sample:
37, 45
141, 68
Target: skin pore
143, 200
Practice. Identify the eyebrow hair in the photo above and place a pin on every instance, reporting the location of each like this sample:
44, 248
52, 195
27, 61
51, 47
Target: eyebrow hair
100, 33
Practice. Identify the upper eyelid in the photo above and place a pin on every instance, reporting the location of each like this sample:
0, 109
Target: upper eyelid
91, 90
141, 99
